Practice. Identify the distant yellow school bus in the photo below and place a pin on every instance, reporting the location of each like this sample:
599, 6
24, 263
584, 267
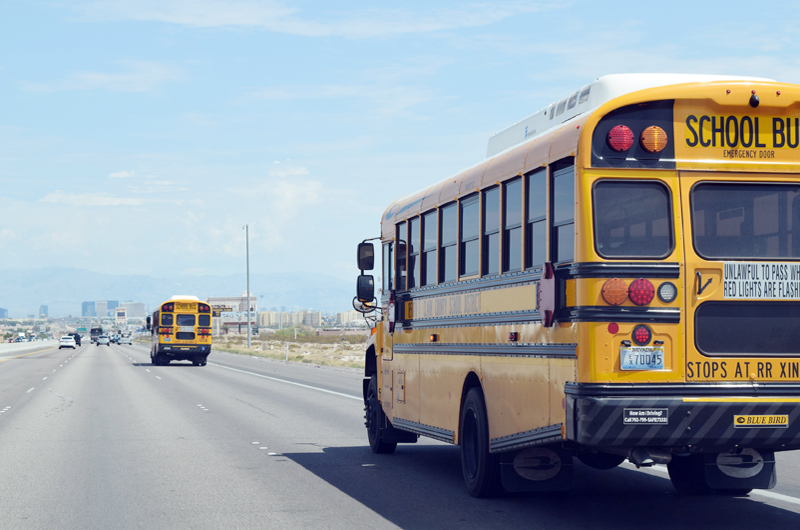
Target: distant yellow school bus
618, 279
180, 330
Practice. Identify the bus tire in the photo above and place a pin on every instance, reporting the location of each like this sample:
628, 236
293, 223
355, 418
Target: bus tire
481, 468
687, 474
375, 419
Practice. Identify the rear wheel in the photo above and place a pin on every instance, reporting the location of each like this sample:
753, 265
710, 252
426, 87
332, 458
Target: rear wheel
375, 420
481, 468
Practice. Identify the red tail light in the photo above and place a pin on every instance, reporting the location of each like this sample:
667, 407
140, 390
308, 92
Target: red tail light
641, 291
620, 138
168, 308
641, 335
165, 331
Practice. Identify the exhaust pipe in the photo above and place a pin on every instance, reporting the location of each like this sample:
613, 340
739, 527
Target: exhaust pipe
649, 456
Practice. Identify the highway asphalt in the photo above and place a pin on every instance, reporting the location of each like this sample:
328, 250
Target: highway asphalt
99, 438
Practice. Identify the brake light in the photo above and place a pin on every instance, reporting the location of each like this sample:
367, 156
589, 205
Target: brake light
641, 335
615, 291
641, 291
620, 138
165, 331
168, 308
653, 139
202, 308
204, 332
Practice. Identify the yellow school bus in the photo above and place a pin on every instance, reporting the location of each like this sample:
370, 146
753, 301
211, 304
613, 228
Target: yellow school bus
618, 279
181, 331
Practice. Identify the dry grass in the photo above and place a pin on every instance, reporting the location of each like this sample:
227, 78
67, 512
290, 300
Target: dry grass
339, 353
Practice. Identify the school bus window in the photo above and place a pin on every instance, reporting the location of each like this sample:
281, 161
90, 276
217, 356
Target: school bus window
428, 264
632, 219
536, 230
564, 214
561, 106
401, 256
388, 267
166, 319
573, 100
491, 231
470, 236
746, 220
512, 225
413, 253
448, 253
204, 320
584, 97
185, 320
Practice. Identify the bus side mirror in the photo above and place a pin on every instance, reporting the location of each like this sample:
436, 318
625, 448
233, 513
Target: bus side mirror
365, 288
366, 256
148, 323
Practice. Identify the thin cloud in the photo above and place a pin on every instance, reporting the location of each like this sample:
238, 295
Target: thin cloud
89, 199
139, 76
121, 174
277, 17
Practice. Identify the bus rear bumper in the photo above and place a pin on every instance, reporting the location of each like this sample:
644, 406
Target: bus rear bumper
692, 417
184, 353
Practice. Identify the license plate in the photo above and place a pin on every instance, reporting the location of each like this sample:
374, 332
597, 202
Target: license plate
187, 328
642, 357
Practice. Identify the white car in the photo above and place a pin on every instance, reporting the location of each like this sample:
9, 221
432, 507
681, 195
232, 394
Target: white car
126, 340
103, 339
67, 341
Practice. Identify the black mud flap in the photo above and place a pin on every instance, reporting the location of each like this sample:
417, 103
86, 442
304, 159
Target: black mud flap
538, 469
746, 469
390, 434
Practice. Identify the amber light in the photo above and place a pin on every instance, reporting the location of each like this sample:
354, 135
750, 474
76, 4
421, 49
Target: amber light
653, 139
615, 291
434, 337
641, 291
620, 138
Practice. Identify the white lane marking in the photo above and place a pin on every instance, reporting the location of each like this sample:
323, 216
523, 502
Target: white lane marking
43, 378
158, 377
289, 382
30, 390
763, 493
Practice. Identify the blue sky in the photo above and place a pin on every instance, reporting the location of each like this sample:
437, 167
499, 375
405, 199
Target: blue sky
139, 136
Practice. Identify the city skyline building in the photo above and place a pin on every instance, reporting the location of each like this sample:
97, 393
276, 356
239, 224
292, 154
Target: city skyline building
88, 309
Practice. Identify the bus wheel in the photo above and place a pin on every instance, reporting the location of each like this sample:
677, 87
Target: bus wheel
481, 468
375, 419
687, 474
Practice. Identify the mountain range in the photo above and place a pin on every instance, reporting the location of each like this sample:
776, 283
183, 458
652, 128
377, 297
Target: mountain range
63, 290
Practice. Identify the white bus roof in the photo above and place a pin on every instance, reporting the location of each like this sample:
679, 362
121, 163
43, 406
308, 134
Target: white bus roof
589, 98
184, 297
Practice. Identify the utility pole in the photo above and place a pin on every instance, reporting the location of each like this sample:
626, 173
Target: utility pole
247, 243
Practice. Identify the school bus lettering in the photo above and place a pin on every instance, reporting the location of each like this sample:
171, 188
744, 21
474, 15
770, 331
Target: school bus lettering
761, 281
746, 137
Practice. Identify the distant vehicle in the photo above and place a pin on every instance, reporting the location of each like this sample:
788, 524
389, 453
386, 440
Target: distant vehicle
67, 341
180, 330
77, 338
125, 340
103, 339
94, 333
114, 338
